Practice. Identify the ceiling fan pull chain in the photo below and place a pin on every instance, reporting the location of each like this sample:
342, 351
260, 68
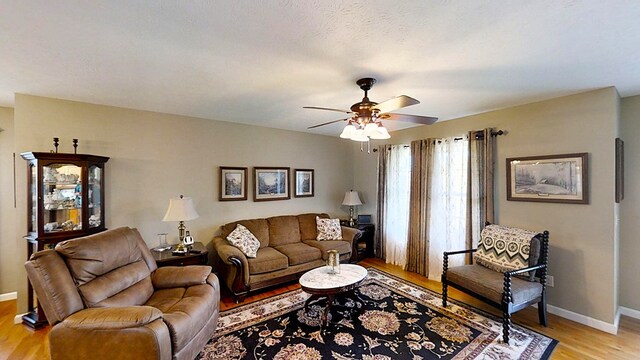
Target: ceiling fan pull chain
368, 147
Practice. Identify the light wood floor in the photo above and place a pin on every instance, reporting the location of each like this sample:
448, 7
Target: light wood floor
576, 341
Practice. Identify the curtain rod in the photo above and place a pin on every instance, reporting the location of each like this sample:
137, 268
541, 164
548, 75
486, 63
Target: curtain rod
478, 135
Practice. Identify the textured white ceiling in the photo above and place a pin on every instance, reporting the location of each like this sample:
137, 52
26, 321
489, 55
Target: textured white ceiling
259, 62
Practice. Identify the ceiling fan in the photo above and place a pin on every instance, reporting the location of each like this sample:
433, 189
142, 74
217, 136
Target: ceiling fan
365, 121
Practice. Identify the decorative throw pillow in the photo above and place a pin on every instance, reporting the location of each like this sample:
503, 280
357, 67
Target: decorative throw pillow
504, 249
328, 229
244, 240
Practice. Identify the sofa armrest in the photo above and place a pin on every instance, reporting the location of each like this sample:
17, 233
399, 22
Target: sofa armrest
350, 234
232, 266
180, 276
133, 332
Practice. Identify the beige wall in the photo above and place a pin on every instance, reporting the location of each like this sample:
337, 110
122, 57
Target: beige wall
582, 253
157, 156
8, 240
630, 206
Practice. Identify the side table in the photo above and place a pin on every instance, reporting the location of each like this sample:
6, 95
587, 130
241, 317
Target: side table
363, 248
166, 258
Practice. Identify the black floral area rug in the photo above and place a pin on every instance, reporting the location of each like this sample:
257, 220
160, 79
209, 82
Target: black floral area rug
389, 318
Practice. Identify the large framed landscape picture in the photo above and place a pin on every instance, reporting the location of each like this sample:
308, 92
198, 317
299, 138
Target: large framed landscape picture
233, 183
271, 183
549, 178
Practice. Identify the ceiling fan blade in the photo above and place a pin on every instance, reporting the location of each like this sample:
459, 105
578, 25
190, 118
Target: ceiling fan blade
416, 119
327, 123
396, 103
330, 109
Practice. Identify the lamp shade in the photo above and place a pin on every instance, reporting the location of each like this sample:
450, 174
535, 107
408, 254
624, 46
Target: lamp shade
351, 198
181, 209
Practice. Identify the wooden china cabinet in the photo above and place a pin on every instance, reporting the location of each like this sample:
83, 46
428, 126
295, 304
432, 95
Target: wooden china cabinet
65, 201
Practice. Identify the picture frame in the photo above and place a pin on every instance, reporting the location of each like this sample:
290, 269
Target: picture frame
233, 183
619, 170
560, 178
305, 182
271, 183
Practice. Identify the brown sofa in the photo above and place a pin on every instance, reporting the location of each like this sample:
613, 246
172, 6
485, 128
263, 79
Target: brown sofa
288, 248
106, 299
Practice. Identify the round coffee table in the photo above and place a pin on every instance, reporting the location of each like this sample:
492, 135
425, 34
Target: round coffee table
322, 284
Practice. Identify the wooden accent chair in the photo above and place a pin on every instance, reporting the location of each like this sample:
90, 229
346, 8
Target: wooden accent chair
509, 273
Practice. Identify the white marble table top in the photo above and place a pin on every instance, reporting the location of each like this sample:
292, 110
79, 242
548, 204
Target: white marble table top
320, 278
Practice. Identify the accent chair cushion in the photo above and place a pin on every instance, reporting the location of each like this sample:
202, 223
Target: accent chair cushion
300, 253
489, 283
267, 260
504, 249
244, 240
328, 229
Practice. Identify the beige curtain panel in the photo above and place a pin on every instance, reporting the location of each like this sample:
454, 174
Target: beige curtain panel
418, 244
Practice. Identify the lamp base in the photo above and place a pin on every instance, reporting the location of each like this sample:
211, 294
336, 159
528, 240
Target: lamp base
352, 222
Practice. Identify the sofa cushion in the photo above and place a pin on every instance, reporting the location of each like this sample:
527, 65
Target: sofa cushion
244, 240
300, 253
185, 311
267, 259
308, 227
258, 227
343, 247
283, 230
328, 229
489, 283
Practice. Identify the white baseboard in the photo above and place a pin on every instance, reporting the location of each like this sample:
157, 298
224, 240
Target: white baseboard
9, 296
18, 318
629, 312
586, 320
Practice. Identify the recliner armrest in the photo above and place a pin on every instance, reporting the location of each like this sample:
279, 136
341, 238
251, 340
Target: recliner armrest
132, 332
180, 276
112, 318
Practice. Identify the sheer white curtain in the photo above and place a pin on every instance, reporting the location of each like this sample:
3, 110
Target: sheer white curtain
449, 188
396, 206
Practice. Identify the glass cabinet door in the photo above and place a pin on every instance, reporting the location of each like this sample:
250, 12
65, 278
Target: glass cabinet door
95, 201
62, 197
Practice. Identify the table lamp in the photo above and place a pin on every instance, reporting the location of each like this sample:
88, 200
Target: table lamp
181, 209
351, 199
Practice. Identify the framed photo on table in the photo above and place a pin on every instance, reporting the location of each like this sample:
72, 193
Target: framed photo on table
304, 183
271, 183
233, 183
549, 178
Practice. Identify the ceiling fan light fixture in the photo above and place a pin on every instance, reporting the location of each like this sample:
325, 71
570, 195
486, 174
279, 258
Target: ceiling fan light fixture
358, 135
381, 133
370, 129
348, 131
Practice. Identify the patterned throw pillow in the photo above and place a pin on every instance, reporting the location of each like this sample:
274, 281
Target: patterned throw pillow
504, 249
244, 240
328, 229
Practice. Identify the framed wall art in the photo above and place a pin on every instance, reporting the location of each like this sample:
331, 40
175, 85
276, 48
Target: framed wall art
549, 178
305, 186
271, 183
233, 183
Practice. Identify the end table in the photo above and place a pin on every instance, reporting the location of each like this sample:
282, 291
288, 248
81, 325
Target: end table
166, 258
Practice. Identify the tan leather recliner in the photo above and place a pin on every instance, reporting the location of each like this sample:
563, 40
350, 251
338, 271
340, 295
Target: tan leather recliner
106, 299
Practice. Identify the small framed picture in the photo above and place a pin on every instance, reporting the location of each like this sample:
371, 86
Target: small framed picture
549, 178
304, 183
233, 183
271, 183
